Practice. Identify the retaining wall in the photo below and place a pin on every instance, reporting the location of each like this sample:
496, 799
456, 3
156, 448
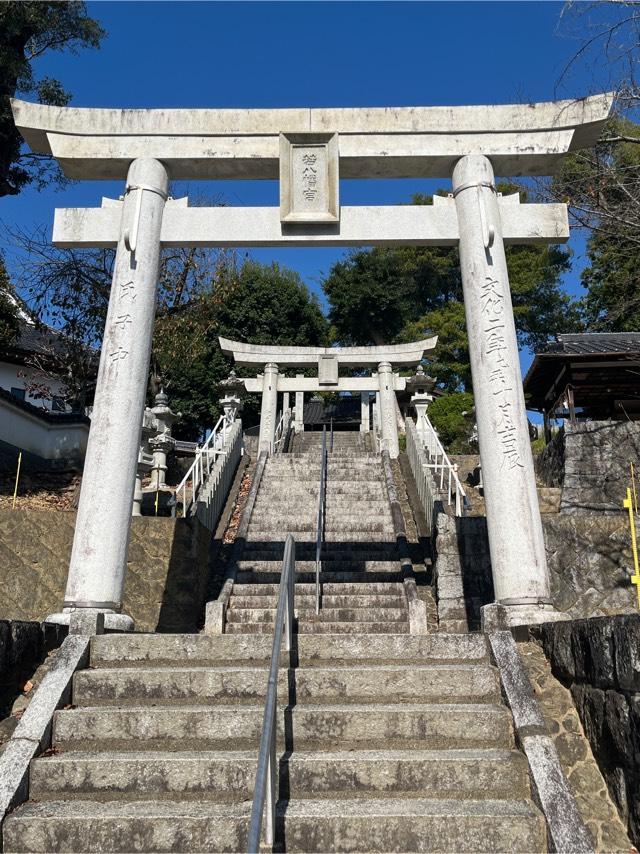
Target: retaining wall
589, 559
167, 570
599, 660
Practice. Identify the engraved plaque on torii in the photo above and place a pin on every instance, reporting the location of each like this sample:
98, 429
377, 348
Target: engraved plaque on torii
309, 178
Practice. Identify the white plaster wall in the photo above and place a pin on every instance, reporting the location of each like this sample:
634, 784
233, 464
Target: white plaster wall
51, 441
20, 376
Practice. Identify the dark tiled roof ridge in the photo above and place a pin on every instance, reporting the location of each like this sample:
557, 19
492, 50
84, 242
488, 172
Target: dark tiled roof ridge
42, 413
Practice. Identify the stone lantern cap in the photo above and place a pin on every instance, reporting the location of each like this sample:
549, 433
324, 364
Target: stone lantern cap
420, 382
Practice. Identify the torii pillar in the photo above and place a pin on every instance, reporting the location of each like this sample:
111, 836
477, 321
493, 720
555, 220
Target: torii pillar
518, 557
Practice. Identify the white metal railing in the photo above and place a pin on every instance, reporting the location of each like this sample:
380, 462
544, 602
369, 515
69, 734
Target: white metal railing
213, 495
280, 435
198, 473
445, 473
422, 473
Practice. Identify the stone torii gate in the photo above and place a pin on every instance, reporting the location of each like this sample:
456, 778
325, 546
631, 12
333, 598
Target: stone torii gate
327, 361
309, 150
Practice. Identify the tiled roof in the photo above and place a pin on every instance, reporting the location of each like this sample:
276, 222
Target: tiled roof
595, 343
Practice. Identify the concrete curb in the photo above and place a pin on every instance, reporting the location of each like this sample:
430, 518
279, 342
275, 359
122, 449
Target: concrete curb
33, 733
216, 611
416, 607
566, 829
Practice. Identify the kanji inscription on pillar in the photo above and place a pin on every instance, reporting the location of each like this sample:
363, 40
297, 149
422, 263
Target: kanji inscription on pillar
492, 305
309, 178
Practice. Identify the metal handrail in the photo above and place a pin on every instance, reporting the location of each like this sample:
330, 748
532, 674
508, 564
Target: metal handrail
321, 508
265, 796
440, 462
205, 457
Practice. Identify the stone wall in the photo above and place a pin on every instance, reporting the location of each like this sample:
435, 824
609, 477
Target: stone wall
167, 571
549, 463
599, 660
589, 559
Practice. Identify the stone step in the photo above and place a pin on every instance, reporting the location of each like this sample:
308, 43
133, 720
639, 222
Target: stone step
391, 825
423, 725
225, 776
323, 627
421, 825
326, 615
329, 565
379, 590
127, 650
127, 826
333, 525
335, 505
342, 487
346, 537
475, 683
306, 601
365, 577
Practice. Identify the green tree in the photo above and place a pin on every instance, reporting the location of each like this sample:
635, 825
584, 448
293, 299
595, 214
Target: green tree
451, 416
602, 188
27, 31
385, 295
263, 304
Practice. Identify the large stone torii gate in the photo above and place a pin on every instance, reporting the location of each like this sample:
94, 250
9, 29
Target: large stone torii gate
310, 150
327, 361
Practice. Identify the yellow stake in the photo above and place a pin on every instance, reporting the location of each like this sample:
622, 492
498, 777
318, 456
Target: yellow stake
157, 494
633, 485
635, 578
15, 491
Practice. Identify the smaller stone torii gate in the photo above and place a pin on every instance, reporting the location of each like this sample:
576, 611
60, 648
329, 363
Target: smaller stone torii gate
328, 360
310, 150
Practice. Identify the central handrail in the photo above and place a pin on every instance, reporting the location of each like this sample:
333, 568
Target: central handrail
264, 792
321, 507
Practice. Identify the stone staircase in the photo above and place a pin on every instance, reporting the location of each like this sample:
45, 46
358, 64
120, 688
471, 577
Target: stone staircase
362, 590
388, 743
548, 496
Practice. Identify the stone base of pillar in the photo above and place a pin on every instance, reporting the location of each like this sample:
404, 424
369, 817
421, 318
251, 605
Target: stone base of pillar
112, 622
498, 617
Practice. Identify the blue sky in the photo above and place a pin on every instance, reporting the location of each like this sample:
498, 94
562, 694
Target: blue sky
265, 54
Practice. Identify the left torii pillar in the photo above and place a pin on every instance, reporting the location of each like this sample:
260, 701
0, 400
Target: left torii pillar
101, 540
269, 410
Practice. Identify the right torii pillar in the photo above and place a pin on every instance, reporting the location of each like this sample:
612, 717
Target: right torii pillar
516, 542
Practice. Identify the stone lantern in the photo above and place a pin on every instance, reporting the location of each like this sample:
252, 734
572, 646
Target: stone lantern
145, 459
422, 385
163, 442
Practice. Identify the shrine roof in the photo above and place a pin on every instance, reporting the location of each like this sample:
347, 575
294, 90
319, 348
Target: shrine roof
602, 368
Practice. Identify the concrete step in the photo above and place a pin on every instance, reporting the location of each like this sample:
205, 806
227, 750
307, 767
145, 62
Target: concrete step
329, 565
399, 824
122, 650
326, 615
365, 577
379, 590
342, 487
329, 602
323, 627
229, 776
475, 683
333, 525
349, 536
421, 725
322, 825
127, 826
